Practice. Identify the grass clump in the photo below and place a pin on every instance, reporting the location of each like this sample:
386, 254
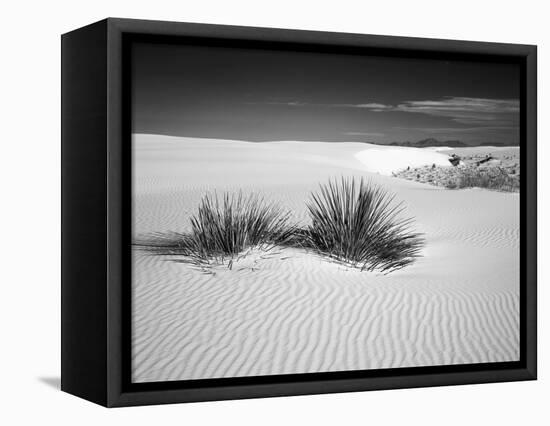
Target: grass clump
224, 227
353, 222
358, 223
494, 178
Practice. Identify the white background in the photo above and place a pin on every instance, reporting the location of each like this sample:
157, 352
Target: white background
30, 212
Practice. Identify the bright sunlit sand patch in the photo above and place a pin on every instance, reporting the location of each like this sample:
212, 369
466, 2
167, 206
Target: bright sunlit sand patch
385, 160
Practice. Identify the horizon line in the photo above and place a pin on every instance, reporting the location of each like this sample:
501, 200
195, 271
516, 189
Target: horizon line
482, 144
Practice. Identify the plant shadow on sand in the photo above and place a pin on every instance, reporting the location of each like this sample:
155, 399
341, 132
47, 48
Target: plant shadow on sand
352, 222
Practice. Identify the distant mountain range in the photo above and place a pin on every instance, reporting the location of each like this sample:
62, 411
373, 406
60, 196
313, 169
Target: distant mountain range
435, 142
493, 144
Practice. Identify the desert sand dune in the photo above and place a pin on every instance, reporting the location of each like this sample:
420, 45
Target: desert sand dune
289, 311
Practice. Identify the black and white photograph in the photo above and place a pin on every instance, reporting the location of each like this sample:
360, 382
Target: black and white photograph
275, 213
307, 212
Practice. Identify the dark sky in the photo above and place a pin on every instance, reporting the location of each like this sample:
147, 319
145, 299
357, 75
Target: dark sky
264, 95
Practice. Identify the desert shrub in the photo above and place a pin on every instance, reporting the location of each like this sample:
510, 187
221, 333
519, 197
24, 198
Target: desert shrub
358, 223
494, 178
450, 184
223, 227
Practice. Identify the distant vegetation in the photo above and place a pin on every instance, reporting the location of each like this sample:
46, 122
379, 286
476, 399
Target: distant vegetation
495, 178
432, 142
353, 222
475, 170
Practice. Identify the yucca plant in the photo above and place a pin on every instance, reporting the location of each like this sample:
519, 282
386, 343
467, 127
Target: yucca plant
224, 227
358, 223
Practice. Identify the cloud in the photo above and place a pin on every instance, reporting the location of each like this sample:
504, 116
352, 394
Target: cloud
374, 107
473, 111
372, 134
371, 106
463, 110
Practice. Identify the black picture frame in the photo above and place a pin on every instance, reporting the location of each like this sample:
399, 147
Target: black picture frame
96, 207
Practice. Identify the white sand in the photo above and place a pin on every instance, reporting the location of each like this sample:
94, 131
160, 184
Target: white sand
293, 312
385, 160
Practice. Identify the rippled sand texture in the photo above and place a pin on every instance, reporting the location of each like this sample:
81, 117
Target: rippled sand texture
288, 311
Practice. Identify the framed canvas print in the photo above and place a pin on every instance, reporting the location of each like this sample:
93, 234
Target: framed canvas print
252, 212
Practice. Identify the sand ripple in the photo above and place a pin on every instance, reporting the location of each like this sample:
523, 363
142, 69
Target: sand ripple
304, 314
298, 313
